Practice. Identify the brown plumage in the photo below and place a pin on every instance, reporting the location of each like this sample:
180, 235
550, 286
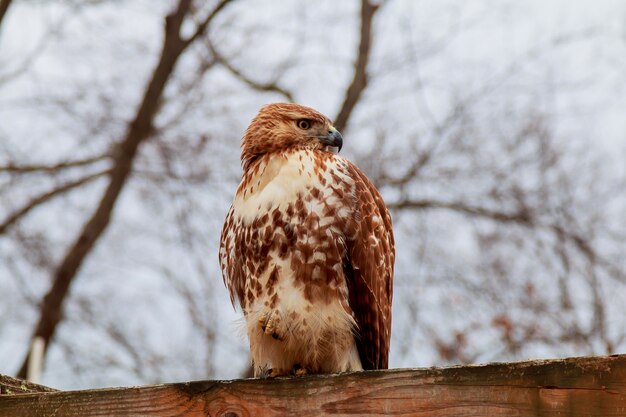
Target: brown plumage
307, 249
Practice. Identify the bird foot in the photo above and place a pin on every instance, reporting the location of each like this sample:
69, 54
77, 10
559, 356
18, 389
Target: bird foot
296, 371
299, 371
270, 322
273, 373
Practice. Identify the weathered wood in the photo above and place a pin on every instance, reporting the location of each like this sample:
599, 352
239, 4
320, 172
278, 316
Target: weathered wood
9, 386
590, 386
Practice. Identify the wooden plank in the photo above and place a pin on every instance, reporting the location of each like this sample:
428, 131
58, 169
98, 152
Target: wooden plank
588, 386
10, 385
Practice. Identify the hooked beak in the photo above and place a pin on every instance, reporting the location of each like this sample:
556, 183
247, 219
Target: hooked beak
333, 138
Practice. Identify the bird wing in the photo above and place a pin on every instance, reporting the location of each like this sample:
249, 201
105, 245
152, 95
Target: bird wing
369, 272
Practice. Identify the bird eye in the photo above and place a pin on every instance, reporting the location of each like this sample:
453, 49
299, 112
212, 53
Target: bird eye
304, 124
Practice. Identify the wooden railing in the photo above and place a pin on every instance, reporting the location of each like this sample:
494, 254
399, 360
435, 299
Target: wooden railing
585, 386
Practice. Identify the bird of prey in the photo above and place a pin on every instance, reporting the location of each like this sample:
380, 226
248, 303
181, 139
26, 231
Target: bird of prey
307, 250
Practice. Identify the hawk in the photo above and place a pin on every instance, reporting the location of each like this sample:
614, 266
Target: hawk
307, 250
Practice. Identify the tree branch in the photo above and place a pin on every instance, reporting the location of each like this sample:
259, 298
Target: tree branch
4, 6
138, 131
205, 23
18, 214
23, 169
521, 216
359, 80
270, 86
19, 68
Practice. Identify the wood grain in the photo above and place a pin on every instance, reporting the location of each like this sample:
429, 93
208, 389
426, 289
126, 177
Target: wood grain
588, 386
10, 385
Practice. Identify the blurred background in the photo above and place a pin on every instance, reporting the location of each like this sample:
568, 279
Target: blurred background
495, 130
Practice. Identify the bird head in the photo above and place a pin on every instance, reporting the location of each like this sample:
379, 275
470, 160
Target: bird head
284, 126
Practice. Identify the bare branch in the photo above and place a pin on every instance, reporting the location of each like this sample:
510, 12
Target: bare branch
359, 80
521, 216
23, 169
186, 90
44, 40
270, 86
174, 20
138, 131
18, 214
205, 23
4, 6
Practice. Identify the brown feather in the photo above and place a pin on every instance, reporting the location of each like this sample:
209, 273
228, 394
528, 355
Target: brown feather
369, 273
